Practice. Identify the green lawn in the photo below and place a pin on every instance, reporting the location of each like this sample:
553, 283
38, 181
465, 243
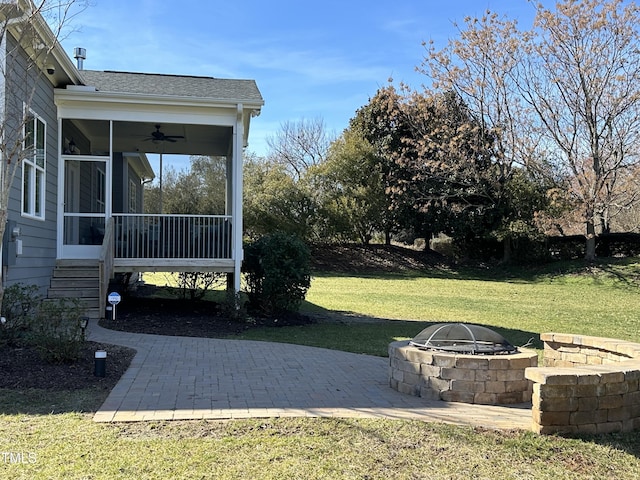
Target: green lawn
601, 300
71, 446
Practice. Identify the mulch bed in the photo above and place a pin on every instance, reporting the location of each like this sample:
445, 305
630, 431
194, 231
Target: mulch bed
189, 318
23, 368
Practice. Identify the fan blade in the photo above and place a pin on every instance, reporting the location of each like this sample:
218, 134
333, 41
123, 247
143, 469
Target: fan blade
173, 136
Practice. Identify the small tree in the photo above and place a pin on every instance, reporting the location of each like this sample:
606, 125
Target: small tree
277, 270
28, 30
195, 285
352, 188
274, 201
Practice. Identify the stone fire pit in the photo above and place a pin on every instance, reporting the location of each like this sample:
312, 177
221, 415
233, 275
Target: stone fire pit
453, 376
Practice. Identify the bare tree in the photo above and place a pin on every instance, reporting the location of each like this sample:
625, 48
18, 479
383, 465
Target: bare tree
583, 81
29, 34
567, 91
300, 145
480, 66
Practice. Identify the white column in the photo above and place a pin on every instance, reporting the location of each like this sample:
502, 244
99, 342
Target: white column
236, 207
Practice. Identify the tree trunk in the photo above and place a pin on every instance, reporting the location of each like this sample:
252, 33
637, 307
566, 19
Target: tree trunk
506, 250
590, 253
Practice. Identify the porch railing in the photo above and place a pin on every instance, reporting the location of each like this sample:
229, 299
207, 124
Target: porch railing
172, 236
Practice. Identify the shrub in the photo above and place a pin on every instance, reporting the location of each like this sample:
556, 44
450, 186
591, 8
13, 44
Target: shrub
233, 307
277, 272
56, 331
19, 305
195, 285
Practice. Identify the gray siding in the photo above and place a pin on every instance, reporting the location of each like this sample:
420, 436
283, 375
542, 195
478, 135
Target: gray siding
38, 237
123, 172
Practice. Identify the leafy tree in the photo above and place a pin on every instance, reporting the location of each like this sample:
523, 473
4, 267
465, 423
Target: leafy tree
353, 190
384, 126
525, 198
443, 163
201, 189
213, 174
275, 202
181, 192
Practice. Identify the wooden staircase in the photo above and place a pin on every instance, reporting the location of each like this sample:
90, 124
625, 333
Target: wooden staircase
78, 279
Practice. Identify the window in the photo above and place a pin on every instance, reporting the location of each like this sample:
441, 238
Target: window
34, 166
133, 197
98, 190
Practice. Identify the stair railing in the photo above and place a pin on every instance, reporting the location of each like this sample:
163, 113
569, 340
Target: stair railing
105, 264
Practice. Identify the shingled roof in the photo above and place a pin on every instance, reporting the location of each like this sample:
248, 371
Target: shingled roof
245, 91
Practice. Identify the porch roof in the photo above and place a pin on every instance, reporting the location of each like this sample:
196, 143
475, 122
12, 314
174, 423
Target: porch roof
210, 88
201, 110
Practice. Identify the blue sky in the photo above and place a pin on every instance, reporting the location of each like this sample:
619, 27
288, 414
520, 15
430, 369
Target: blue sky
310, 60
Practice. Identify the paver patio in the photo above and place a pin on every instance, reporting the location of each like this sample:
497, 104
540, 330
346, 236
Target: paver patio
183, 378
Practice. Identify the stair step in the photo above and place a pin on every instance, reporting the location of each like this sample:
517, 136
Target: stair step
74, 292
73, 282
77, 263
78, 279
75, 273
89, 309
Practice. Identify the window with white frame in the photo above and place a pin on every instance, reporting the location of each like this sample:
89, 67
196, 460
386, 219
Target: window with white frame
34, 166
133, 197
98, 189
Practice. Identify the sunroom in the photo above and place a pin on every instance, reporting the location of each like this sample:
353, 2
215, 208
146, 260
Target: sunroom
107, 127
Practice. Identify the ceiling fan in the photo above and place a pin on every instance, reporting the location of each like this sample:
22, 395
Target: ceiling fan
158, 136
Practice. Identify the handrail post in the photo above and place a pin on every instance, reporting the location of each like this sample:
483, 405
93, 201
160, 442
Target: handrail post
105, 264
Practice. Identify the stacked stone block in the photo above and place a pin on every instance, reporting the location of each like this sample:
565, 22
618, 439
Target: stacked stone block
481, 379
588, 385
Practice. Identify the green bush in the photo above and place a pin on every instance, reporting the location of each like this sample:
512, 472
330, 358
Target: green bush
277, 273
19, 305
56, 331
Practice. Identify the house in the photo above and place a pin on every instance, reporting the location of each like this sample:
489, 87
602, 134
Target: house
75, 209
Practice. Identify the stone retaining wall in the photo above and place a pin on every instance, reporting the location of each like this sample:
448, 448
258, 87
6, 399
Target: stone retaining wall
482, 379
587, 385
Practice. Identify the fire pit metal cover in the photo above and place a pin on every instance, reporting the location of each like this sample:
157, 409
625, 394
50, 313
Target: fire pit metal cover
462, 338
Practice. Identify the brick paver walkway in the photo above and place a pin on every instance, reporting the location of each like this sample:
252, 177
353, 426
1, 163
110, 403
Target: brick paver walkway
180, 378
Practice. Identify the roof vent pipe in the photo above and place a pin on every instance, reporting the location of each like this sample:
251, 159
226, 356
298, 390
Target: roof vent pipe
80, 54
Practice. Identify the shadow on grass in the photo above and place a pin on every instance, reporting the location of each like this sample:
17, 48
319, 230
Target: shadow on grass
625, 271
361, 333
